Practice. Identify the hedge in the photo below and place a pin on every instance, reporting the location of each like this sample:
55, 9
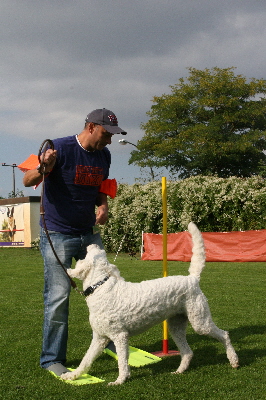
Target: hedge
214, 204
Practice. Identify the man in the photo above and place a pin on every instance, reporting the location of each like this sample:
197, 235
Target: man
74, 172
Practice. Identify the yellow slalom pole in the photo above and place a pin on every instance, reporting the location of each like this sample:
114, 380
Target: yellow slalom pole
165, 271
164, 198
165, 351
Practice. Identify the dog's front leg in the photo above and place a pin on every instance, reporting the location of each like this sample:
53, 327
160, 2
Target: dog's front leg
122, 350
96, 348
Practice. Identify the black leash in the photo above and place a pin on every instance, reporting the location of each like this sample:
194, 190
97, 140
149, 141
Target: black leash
44, 146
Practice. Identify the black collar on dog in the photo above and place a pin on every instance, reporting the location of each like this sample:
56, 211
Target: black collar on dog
91, 288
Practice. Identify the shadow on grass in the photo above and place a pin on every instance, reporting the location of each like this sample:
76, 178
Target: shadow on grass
244, 331
205, 352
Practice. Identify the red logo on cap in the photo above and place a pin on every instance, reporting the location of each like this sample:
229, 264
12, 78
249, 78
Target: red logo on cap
112, 118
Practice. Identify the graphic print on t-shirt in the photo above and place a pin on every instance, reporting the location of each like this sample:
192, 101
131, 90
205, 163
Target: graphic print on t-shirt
86, 175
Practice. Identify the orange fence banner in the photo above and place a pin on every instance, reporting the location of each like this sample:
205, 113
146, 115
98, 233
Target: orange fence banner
219, 246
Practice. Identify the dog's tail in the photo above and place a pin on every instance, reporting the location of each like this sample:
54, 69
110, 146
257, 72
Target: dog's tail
198, 251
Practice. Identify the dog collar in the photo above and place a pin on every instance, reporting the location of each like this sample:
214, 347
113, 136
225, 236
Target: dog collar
91, 288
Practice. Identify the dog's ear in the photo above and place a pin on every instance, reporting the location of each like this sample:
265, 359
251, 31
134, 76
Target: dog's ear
113, 271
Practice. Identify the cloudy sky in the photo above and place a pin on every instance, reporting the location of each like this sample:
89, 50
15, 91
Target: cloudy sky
60, 59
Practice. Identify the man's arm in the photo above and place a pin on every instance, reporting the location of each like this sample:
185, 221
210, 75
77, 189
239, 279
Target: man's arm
34, 176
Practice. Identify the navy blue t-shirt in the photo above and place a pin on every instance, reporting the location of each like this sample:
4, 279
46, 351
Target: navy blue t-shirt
72, 186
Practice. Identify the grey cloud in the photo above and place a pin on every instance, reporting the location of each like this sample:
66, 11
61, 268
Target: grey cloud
61, 59
98, 30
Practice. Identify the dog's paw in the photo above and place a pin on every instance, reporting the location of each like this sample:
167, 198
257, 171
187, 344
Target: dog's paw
119, 380
235, 365
115, 383
69, 376
176, 373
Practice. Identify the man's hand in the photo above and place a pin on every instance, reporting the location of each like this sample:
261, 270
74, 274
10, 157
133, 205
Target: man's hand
102, 210
101, 215
34, 176
49, 159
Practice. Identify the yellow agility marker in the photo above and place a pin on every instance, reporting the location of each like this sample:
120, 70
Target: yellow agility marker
137, 357
84, 379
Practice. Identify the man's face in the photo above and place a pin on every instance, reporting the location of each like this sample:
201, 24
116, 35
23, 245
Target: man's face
100, 137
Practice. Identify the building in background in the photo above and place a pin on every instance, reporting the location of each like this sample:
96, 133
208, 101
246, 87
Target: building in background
19, 221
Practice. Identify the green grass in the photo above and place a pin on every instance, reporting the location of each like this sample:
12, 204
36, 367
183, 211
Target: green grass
236, 294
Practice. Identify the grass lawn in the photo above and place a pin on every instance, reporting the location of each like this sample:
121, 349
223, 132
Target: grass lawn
236, 294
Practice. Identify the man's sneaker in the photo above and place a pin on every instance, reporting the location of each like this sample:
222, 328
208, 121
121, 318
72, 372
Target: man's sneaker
58, 369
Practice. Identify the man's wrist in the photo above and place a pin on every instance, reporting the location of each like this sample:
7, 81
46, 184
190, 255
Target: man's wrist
41, 170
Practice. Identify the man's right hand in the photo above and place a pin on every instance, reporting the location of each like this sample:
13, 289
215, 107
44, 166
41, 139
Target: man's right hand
34, 176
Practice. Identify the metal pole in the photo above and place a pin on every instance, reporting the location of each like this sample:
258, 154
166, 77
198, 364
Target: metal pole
124, 141
14, 181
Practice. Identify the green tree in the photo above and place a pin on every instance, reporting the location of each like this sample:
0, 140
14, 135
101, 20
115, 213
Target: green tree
18, 193
212, 123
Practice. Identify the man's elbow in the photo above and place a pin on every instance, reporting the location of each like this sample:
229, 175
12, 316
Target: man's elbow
27, 181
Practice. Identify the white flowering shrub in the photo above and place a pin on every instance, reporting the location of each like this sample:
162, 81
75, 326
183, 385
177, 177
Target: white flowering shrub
214, 204
35, 244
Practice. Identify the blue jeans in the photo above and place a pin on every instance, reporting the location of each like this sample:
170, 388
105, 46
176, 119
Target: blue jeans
57, 289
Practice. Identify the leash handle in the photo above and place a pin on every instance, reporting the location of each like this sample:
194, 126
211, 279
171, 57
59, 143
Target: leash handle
43, 148
48, 143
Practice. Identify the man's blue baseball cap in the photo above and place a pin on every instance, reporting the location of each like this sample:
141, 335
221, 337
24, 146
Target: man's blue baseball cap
107, 119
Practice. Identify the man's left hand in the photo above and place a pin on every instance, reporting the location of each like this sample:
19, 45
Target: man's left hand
101, 215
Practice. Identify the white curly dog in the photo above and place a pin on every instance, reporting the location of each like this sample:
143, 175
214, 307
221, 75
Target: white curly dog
120, 309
